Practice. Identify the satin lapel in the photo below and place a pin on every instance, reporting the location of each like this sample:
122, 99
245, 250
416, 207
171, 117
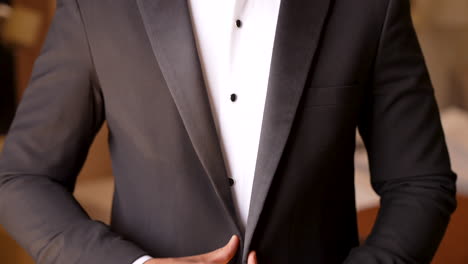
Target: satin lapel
169, 29
297, 37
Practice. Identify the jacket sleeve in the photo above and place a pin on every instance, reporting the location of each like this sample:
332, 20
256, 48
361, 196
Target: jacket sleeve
57, 119
409, 162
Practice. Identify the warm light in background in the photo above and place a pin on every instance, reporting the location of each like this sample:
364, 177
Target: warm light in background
447, 13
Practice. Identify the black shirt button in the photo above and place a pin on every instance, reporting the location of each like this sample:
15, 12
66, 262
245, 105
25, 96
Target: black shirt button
233, 97
238, 23
231, 181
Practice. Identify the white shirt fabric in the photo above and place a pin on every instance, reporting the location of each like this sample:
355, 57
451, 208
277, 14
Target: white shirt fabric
142, 260
235, 58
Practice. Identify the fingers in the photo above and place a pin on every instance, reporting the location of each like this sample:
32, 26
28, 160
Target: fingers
232, 246
252, 259
220, 256
223, 255
229, 250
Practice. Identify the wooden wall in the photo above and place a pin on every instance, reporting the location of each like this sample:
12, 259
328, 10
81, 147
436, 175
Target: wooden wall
25, 56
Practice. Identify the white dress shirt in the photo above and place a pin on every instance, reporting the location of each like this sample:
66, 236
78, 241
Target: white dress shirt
235, 43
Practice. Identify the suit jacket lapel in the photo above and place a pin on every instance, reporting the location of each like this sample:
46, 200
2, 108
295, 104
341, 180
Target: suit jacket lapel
297, 38
169, 29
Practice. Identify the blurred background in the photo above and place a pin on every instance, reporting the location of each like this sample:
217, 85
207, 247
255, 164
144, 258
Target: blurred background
442, 28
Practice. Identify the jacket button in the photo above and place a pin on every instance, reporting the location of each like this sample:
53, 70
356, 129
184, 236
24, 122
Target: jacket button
231, 181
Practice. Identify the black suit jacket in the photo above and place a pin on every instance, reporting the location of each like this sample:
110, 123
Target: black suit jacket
336, 65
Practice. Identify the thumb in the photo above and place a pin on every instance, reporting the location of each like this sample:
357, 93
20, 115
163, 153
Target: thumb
252, 259
226, 253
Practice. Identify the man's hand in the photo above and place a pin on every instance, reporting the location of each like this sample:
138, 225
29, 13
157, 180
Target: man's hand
220, 256
252, 258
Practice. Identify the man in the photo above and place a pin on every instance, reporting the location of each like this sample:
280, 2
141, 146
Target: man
187, 111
